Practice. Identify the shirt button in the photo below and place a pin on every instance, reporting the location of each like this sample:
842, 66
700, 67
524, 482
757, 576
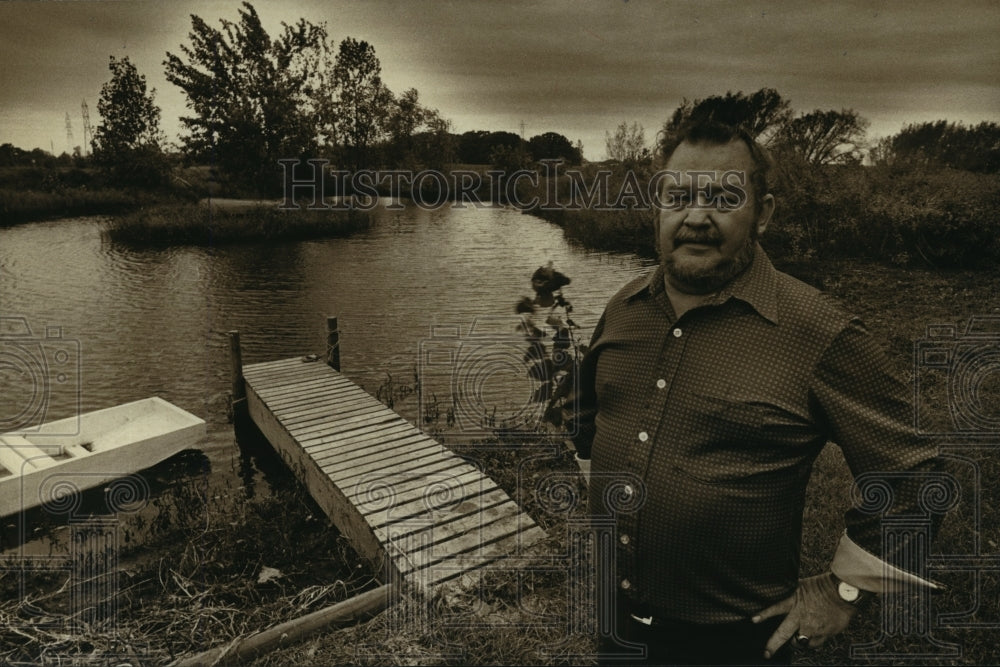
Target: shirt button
626, 584
661, 383
677, 333
643, 436
624, 539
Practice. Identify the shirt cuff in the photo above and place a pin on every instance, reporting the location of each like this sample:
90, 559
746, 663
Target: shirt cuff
584, 468
863, 570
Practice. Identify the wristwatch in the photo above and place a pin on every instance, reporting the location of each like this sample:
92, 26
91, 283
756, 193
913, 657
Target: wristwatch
848, 593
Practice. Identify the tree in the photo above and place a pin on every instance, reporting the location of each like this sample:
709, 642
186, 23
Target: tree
255, 99
472, 147
945, 144
405, 118
363, 102
11, 155
760, 113
127, 140
824, 137
628, 144
478, 146
434, 147
418, 137
552, 145
509, 159
882, 153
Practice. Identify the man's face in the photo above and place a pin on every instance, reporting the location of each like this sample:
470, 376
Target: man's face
703, 244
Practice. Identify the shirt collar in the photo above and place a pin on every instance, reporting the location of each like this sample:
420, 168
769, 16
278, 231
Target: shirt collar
757, 286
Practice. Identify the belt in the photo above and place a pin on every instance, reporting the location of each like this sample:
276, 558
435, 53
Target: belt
641, 613
652, 617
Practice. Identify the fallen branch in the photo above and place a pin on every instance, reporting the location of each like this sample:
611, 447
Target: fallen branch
347, 612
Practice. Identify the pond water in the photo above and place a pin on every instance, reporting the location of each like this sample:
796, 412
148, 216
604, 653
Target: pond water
138, 323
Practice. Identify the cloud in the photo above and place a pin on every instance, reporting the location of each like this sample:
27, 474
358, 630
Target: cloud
571, 67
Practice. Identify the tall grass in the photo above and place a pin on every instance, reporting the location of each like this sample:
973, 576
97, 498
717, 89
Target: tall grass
940, 218
191, 224
214, 563
17, 206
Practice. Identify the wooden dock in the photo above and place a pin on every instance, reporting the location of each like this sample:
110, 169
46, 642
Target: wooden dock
408, 504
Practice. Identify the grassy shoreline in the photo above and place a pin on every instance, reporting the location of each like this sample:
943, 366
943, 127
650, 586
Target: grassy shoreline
199, 224
940, 218
23, 206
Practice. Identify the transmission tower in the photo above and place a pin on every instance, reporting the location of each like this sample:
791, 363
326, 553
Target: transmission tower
69, 135
88, 132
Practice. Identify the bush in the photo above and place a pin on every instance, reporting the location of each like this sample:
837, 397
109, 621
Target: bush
942, 218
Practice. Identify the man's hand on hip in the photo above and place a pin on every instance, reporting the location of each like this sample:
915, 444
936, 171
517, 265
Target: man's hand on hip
815, 613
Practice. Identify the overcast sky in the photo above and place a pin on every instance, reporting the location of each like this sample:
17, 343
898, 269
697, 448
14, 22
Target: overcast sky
577, 68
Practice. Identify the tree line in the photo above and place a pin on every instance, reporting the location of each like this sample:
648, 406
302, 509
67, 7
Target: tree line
822, 137
926, 196
254, 98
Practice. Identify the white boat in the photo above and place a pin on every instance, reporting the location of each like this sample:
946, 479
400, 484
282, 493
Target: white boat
59, 458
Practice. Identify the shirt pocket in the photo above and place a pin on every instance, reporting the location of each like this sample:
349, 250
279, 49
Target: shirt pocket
722, 420
739, 441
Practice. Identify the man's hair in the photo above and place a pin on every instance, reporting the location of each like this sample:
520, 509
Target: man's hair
707, 131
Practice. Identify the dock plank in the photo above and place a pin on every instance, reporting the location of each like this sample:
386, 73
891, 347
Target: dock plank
360, 438
441, 509
362, 487
402, 441
431, 495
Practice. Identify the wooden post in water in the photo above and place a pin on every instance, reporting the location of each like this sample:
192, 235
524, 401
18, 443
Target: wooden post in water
332, 344
238, 400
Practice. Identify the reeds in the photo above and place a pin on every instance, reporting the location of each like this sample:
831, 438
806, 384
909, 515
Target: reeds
193, 582
192, 224
17, 206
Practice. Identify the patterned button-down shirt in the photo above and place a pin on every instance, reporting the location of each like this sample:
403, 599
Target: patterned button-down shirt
703, 429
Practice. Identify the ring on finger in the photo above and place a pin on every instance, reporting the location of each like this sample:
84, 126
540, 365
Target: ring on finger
801, 640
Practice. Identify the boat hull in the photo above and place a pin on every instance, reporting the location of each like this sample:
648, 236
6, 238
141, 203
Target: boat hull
55, 460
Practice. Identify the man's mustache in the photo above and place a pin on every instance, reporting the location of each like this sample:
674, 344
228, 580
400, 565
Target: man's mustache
704, 238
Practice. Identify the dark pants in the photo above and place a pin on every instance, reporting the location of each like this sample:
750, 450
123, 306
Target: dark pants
678, 643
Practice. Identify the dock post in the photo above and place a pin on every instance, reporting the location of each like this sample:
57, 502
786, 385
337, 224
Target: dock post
332, 344
238, 400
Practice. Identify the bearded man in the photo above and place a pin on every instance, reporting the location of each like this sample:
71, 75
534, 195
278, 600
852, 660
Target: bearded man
709, 389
